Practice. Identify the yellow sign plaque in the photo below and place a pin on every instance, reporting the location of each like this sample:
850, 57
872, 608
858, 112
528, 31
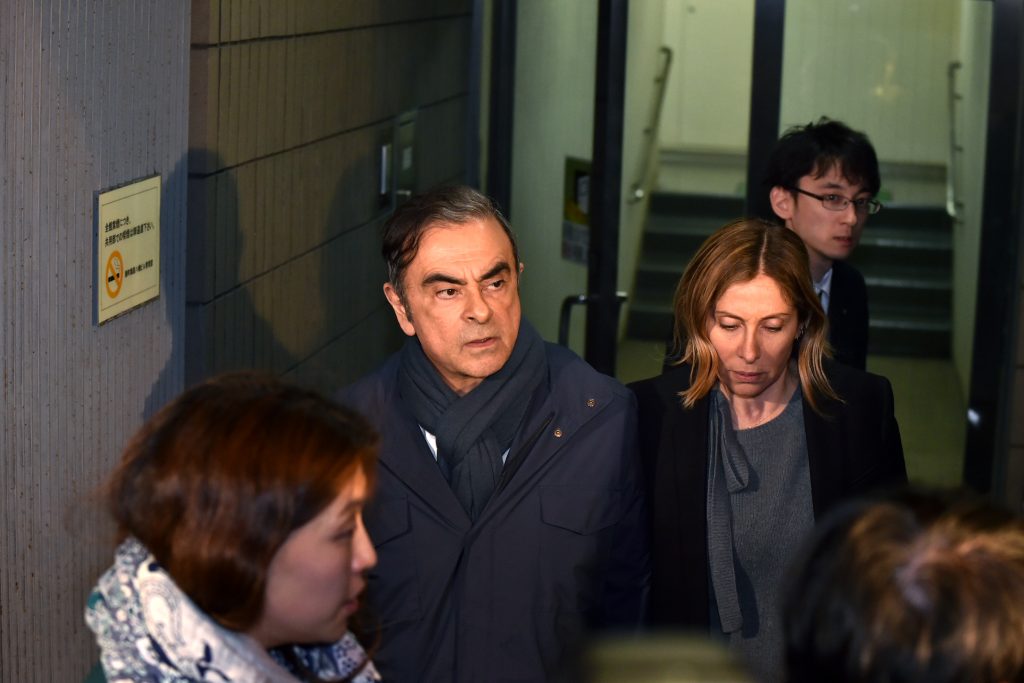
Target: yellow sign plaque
128, 247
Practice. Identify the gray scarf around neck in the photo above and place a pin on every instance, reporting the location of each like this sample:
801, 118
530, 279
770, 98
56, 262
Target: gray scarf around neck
728, 472
473, 431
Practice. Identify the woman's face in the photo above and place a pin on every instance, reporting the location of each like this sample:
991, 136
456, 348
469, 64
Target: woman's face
753, 328
315, 578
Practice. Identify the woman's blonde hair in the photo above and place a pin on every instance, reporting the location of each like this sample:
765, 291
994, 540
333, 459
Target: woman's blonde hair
739, 252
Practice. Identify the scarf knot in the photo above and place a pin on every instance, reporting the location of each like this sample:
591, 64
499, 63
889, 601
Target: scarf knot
474, 431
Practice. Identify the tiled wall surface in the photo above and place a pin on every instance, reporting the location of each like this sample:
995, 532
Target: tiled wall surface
289, 104
93, 94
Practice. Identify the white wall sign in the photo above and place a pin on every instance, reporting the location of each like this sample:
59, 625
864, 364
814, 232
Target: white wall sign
128, 247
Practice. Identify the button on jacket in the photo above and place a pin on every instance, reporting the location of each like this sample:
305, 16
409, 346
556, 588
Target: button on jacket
560, 547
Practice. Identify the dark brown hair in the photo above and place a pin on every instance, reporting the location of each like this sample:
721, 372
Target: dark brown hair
739, 252
926, 587
216, 481
456, 204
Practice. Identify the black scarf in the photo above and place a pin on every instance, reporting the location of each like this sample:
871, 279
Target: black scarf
473, 431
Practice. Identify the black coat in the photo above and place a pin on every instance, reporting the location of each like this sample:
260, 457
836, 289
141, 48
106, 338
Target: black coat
848, 316
854, 450
558, 549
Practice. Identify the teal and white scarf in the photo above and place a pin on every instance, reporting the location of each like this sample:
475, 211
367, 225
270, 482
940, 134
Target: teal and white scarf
149, 630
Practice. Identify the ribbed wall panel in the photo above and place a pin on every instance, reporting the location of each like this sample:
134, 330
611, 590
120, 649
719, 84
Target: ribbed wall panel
290, 103
92, 94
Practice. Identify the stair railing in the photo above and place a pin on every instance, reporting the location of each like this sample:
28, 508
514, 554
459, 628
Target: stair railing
953, 203
641, 187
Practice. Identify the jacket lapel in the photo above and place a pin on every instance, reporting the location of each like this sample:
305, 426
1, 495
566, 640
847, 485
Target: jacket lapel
549, 427
405, 453
680, 500
825, 455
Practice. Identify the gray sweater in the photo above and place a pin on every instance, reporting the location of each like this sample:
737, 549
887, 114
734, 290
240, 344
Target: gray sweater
771, 516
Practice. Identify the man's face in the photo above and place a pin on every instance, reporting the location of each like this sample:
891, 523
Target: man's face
462, 300
828, 235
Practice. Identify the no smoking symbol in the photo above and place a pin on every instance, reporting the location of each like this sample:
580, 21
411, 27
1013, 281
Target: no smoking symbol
115, 274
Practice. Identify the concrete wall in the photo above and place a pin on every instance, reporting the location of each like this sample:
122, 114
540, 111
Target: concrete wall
272, 123
289, 104
92, 95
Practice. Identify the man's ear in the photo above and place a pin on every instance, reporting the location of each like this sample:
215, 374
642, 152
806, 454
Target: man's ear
401, 312
782, 202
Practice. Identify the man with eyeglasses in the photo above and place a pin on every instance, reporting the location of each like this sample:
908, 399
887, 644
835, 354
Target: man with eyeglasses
823, 179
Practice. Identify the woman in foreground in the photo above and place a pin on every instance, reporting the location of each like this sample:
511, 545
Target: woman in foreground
243, 548
751, 438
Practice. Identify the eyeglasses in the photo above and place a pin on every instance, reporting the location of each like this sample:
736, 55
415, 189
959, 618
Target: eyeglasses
837, 202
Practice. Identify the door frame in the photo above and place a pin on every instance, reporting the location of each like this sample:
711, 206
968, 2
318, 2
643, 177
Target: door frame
996, 323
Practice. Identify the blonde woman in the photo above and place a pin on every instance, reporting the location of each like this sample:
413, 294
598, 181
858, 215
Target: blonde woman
751, 438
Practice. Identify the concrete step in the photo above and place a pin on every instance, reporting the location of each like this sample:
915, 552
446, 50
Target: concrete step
903, 331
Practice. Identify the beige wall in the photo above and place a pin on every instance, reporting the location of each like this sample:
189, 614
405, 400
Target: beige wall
878, 65
289, 104
644, 63
707, 105
890, 81
554, 119
92, 95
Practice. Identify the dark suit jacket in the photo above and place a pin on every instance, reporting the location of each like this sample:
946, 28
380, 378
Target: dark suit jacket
848, 316
854, 449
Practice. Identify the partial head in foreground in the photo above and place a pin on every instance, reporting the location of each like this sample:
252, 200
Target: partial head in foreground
249, 492
926, 587
744, 307
453, 282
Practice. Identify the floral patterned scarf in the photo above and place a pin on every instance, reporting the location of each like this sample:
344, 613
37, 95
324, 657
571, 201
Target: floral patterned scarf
149, 630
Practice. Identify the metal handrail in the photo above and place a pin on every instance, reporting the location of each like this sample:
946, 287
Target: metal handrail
639, 189
565, 314
953, 204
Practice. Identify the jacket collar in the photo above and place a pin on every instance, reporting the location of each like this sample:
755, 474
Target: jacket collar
560, 408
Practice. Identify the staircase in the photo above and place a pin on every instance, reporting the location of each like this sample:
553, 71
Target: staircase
905, 255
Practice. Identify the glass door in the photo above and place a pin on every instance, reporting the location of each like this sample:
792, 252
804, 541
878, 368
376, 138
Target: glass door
912, 75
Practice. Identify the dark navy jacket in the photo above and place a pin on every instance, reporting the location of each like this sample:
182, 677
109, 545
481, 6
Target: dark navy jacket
560, 547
